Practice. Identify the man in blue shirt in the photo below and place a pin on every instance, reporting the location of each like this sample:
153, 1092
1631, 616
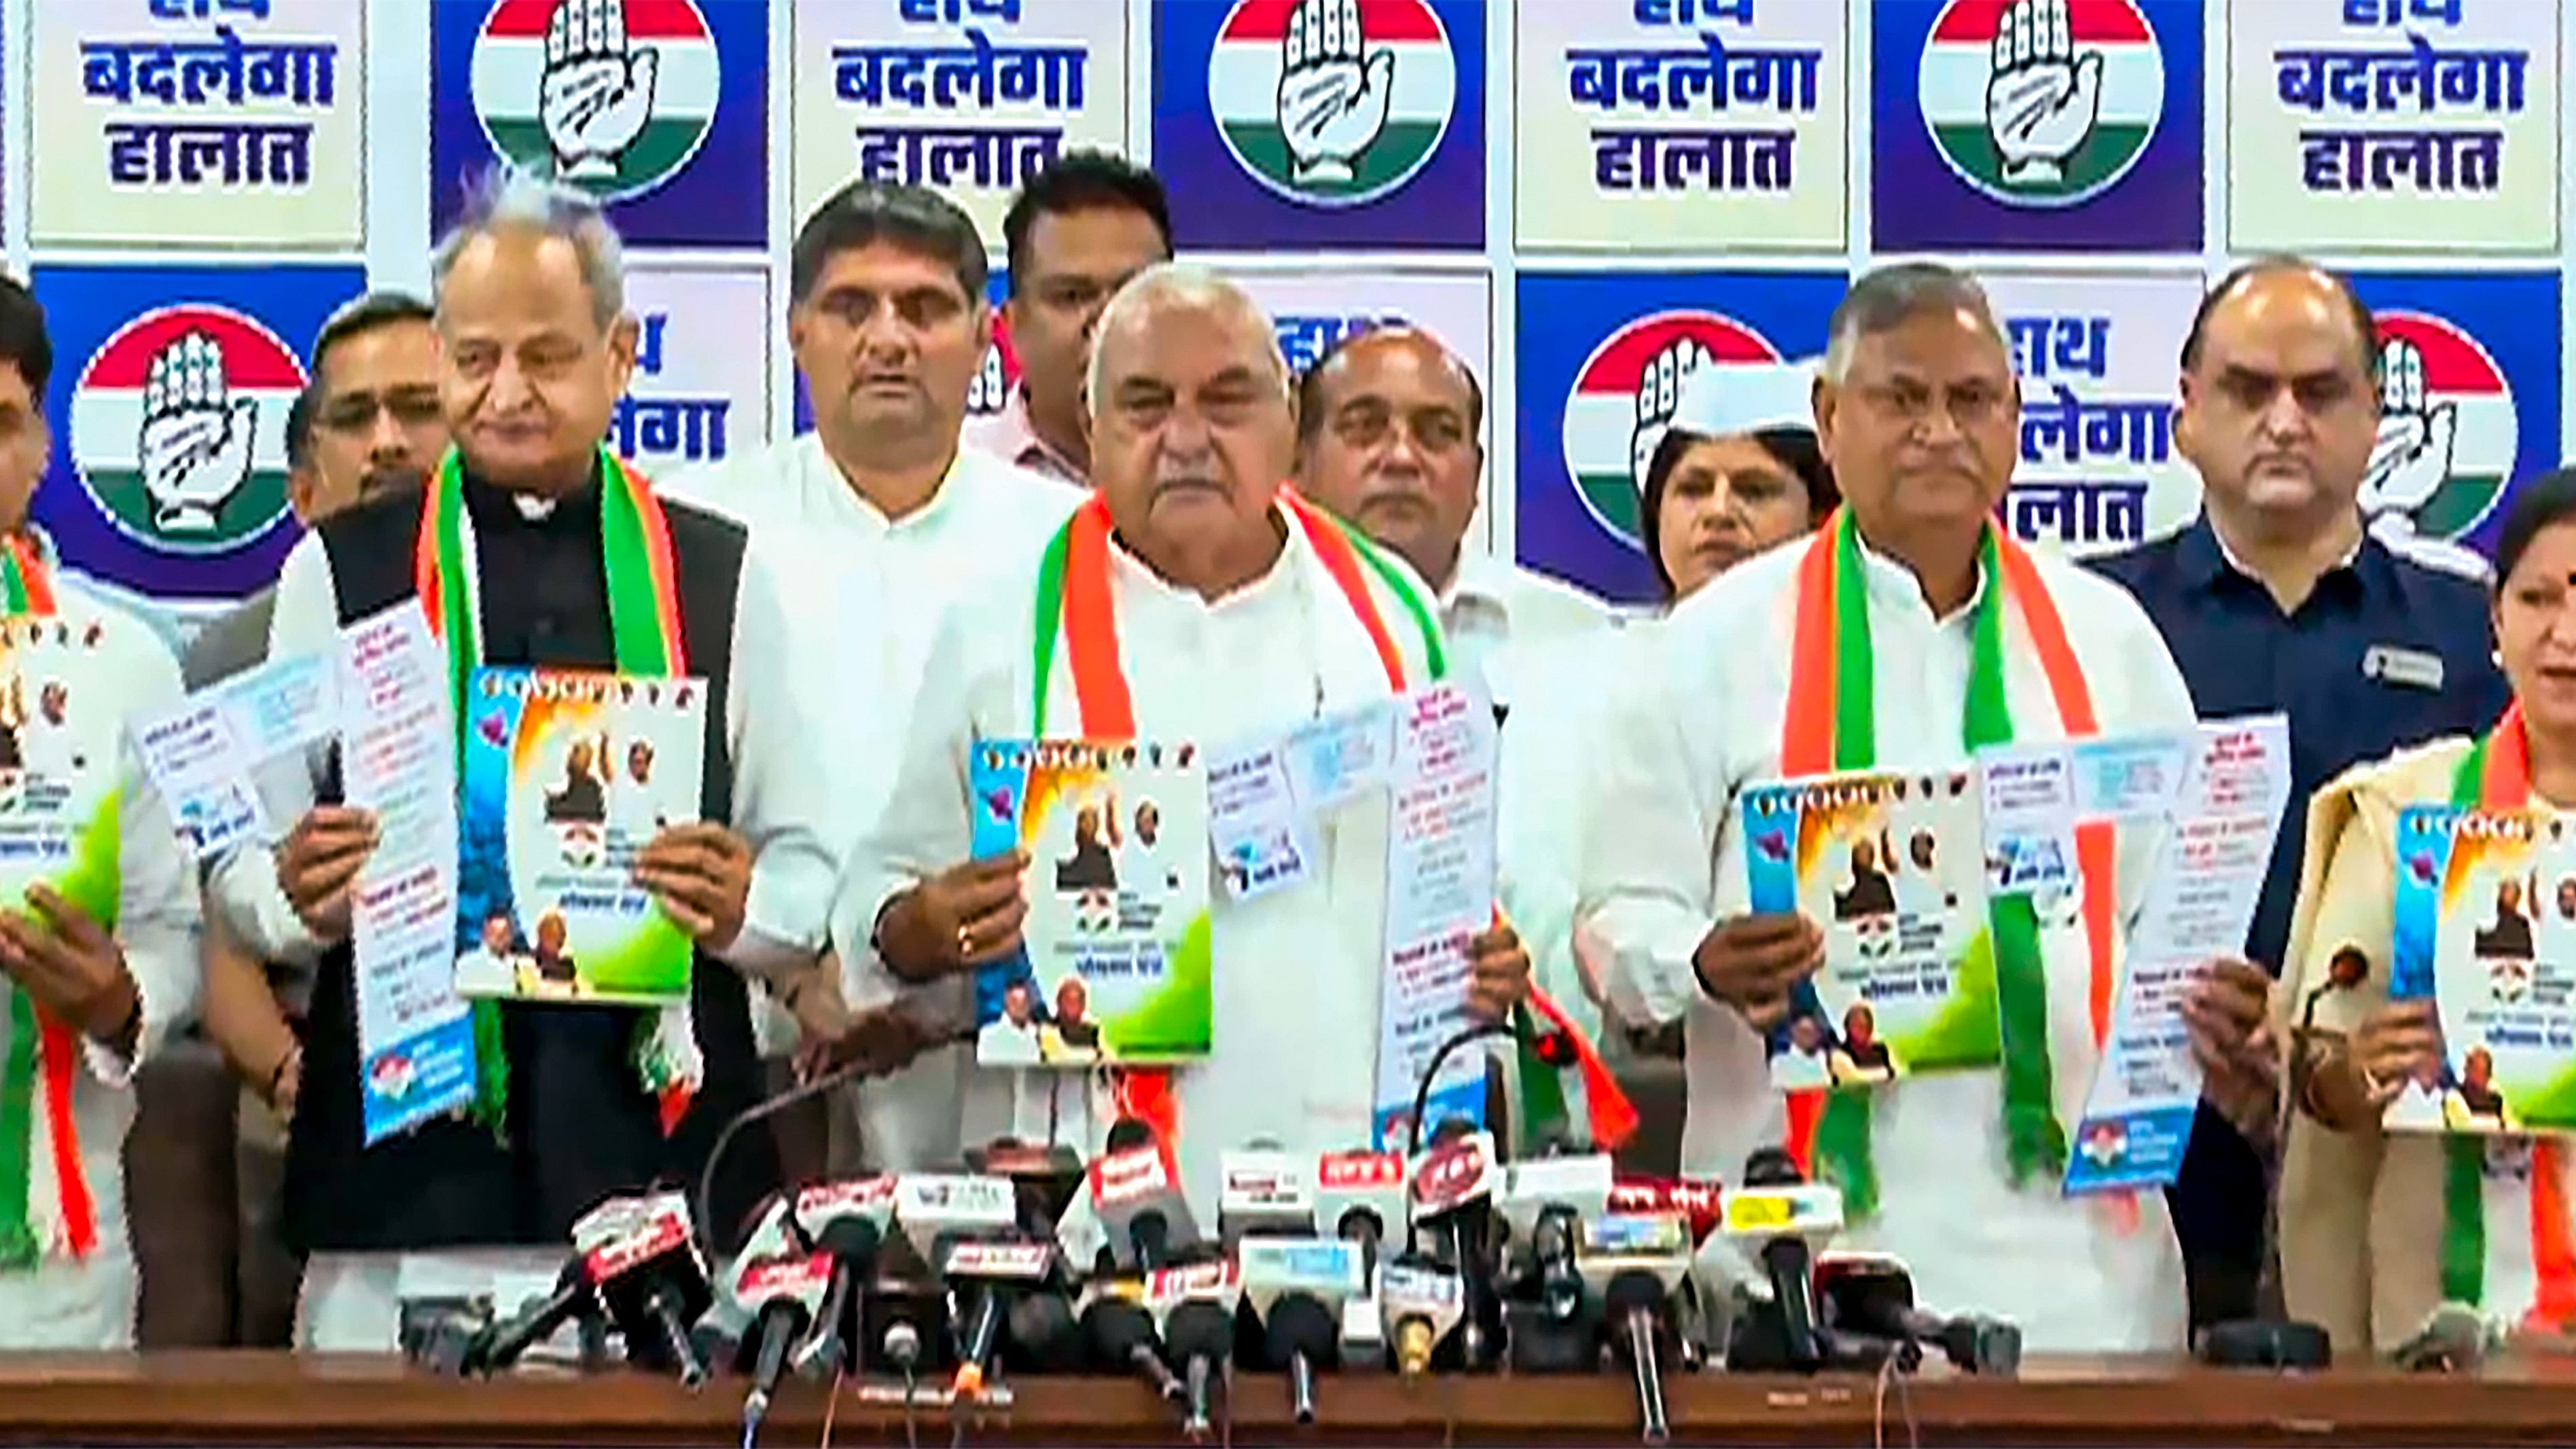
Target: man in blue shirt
2277, 598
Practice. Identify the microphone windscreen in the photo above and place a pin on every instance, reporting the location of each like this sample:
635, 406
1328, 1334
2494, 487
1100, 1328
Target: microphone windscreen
1772, 1167
1200, 1328
1127, 1133
1115, 1327
1043, 1338
856, 1239
1634, 1289
1300, 1323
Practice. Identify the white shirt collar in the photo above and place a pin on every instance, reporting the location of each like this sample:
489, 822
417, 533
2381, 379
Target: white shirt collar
827, 474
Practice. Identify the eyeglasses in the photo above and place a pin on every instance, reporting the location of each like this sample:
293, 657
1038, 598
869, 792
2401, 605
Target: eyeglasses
352, 412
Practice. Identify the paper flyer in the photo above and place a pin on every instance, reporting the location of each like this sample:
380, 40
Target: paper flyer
58, 766
1889, 865
1267, 800
398, 760
567, 777
1117, 957
1440, 893
2486, 929
2230, 784
205, 754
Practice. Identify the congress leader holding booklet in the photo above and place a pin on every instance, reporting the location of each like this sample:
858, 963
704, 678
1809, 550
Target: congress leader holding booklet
1905, 633
1191, 599
2378, 1226
531, 545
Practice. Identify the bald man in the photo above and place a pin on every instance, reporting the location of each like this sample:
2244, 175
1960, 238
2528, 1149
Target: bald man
1388, 428
2299, 420
1229, 623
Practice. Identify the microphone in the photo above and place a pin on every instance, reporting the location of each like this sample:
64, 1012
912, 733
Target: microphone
1136, 1194
846, 1222
1639, 1263
1044, 1176
1544, 1205
1873, 1294
1360, 1197
641, 1255
987, 1274
1297, 1289
494, 1347
1263, 1193
2455, 1338
1041, 1333
1121, 1335
788, 1292
1422, 1303
1788, 1219
1197, 1305
1452, 1205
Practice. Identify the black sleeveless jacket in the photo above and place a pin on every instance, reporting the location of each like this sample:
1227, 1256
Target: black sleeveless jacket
581, 1127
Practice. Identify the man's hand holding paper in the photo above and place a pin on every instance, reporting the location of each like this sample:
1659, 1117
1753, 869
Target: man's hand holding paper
319, 861
965, 916
701, 875
2226, 1011
1752, 962
72, 967
1500, 967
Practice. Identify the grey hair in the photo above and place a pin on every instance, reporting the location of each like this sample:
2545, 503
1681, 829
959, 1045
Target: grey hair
1888, 298
1190, 285
508, 200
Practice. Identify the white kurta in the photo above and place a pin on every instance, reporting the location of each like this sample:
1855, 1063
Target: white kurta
1297, 971
868, 594
90, 1304
1535, 644
1666, 859
1504, 623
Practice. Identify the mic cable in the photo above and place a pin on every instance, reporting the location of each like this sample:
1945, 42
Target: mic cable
1431, 1073
763, 1110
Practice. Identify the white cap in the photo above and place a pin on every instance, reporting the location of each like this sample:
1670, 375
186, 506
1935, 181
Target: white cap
1720, 400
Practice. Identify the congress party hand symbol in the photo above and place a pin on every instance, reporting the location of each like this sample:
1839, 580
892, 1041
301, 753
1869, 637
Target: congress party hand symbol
2043, 99
1659, 395
596, 94
1333, 99
2411, 459
196, 442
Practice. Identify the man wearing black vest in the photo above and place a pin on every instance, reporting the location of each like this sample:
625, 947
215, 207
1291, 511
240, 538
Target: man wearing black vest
536, 348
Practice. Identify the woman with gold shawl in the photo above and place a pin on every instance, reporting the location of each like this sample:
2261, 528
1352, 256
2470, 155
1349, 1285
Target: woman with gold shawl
2379, 1228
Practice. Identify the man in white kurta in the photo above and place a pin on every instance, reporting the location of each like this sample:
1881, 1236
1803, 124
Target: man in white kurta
1227, 627
118, 986
1919, 415
889, 518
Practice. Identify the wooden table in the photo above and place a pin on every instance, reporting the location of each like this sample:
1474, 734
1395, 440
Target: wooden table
276, 1400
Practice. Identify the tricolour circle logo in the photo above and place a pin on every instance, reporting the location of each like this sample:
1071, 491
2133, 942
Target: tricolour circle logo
611, 96
179, 428
1332, 103
1623, 402
2448, 429
2041, 103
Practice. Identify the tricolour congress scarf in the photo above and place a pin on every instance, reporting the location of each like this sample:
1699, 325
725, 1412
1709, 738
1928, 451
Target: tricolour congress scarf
1076, 601
644, 627
1832, 724
45, 1205
2496, 775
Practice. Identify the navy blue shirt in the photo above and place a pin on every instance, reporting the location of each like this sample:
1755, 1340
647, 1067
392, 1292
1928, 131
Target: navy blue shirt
2354, 667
